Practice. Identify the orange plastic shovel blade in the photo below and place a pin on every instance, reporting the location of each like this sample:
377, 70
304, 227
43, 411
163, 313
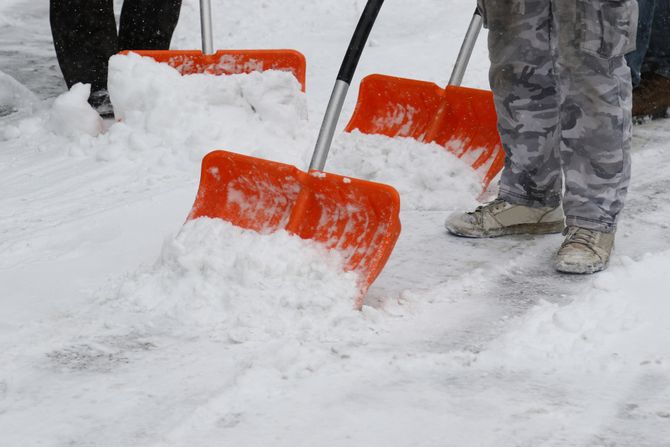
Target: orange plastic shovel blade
462, 119
226, 62
359, 219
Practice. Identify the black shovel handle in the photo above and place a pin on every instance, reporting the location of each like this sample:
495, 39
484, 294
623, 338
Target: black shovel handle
344, 78
359, 40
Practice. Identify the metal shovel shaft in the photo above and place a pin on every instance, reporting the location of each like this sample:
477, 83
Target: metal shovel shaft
206, 27
344, 78
466, 49
459, 72
328, 126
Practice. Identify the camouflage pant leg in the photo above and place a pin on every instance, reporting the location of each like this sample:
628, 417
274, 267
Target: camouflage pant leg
563, 95
596, 117
526, 97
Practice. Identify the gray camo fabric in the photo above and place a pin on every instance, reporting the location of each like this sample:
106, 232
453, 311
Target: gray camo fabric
563, 95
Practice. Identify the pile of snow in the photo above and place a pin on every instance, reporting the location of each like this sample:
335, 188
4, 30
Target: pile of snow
621, 323
72, 115
427, 176
14, 96
167, 123
241, 285
161, 111
166, 120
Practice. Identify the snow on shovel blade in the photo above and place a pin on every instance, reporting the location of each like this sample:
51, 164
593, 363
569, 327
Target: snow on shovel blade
357, 218
226, 62
462, 119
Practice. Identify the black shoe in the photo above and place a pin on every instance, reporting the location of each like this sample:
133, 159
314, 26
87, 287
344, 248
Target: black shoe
101, 103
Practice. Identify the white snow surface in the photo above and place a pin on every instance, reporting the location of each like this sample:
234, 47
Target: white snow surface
14, 96
72, 116
621, 324
120, 324
262, 288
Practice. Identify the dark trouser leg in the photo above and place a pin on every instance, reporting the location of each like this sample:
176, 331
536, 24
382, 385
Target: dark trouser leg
148, 24
84, 34
658, 56
636, 58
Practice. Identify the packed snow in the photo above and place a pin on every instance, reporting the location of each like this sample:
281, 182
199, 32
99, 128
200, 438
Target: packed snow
620, 324
14, 96
221, 277
122, 324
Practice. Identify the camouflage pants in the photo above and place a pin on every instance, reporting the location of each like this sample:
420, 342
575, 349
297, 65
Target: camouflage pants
562, 92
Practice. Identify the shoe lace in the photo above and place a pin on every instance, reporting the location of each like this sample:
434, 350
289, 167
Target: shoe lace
583, 236
478, 213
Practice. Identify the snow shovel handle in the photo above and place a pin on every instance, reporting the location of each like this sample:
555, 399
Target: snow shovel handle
466, 49
206, 27
457, 75
359, 40
344, 78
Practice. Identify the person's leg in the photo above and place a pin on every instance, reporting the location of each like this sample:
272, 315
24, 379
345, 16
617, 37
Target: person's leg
651, 98
658, 56
596, 91
84, 34
637, 57
525, 93
524, 87
148, 24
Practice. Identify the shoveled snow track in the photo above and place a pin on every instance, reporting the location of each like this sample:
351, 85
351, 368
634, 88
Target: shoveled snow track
26, 49
69, 228
410, 385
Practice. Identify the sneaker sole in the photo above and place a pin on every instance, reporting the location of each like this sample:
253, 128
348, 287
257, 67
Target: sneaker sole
513, 230
577, 269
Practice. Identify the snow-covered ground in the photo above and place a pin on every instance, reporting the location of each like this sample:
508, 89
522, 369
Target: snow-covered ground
120, 325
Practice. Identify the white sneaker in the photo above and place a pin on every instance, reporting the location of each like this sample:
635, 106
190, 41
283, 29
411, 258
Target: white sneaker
500, 218
584, 251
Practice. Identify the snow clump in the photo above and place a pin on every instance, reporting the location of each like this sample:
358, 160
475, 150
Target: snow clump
164, 114
241, 285
14, 96
72, 115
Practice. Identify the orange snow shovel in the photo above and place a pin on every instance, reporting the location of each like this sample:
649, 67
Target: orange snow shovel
461, 119
359, 219
225, 62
